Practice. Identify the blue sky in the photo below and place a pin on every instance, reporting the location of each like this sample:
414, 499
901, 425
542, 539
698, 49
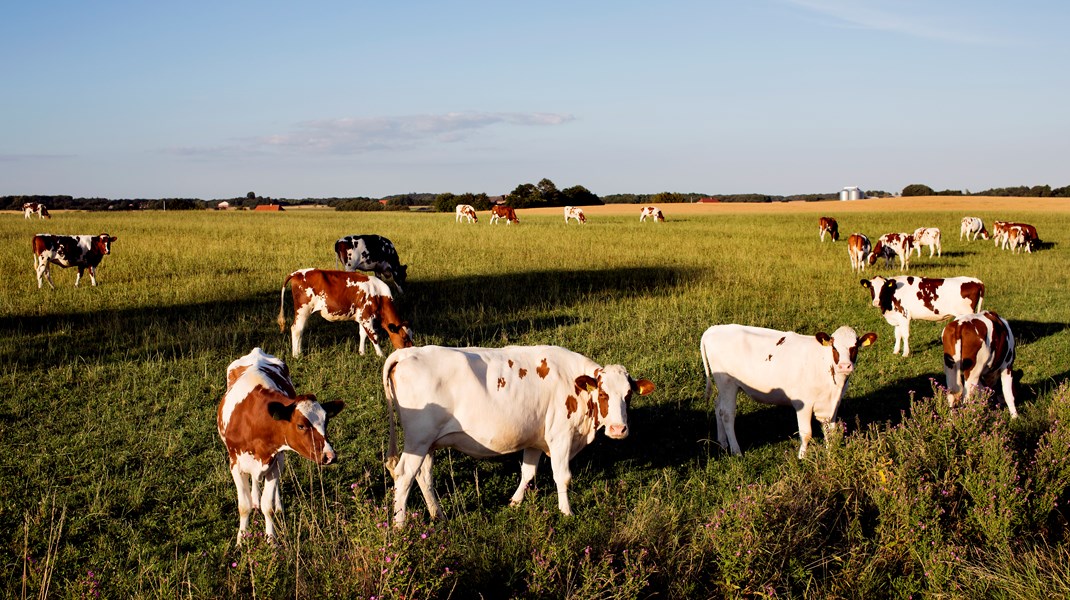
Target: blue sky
329, 98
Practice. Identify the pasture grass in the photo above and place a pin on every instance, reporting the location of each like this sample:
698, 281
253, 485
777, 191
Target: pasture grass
114, 482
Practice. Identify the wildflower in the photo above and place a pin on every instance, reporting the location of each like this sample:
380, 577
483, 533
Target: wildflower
234, 565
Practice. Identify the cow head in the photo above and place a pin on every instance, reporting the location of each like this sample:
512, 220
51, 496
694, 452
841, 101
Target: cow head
878, 286
401, 274
845, 344
400, 334
103, 243
614, 388
304, 424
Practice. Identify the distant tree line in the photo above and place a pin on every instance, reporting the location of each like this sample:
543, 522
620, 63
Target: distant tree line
546, 194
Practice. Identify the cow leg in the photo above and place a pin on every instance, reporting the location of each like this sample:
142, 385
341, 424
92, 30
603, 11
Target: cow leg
726, 415
245, 500
78, 278
44, 271
367, 331
1007, 379
528, 464
93, 275
805, 414
559, 456
270, 500
905, 333
404, 472
423, 479
300, 319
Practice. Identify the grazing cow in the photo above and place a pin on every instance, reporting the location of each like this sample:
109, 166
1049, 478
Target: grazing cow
491, 401
897, 244
978, 348
342, 296
828, 225
371, 253
466, 211
35, 208
1016, 235
258, 418
999, 231
653, 212
927, 236
499, 211
82, 251
779, 367
906, 298
574, 212
972, 227
858, 249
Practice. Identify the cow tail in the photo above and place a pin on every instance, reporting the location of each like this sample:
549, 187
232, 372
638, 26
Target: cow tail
980, 298
390, 393
282, 303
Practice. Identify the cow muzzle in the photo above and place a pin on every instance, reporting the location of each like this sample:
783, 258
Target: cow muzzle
327, 456
617, 432
845, 369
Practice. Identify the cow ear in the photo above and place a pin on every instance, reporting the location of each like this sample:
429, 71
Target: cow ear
645, 386
586, 382
112, 238
890, 284
866, 283
333, 407
823, 338
867, 340
393, 328
280, 411
309, 397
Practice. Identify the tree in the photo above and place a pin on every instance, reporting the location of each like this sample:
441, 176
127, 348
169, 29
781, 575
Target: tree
524, 196
578, 195
548, 193
251, 195
917, 189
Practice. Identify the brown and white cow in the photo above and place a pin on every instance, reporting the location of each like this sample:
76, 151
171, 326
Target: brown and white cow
499, 211
828, 225
858, 249
1018, 235
999, 231
30, 209
893, 244
344, 296
575, 212
927, 236
978, 348
82, 251
907, 298
653, 212
491, 401
806, 372
258, 418
972, 228
466, 211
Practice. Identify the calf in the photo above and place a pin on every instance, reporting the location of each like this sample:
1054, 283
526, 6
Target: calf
897, 244
35, 208
491, 401
653, 212
978, 348
371, 253
828, 225
808, 373
499, 211
858, 249
466, 211
574, 212
972, 227
342, 296
906, 298
258, 418
82, 251
927, 236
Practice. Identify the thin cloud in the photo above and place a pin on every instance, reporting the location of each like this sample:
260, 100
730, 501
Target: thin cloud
888, 17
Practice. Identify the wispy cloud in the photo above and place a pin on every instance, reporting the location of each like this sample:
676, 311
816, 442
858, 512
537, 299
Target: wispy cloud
914, 19
355, 135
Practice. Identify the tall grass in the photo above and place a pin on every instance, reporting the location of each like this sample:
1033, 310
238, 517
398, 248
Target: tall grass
113, 480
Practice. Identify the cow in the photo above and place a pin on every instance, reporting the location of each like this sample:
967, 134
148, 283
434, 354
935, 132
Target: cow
35, 208
259, 417
499, 211
897, 244
1016, 235
806, 372
82, 251
972, 227
907, 298
574, 212
828, 225
999, 231
927, 236
978, 348
653, 212
466, 211
858, 249
371, 253
491, 401
342, 296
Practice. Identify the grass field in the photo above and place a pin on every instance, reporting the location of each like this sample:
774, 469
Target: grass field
113, 479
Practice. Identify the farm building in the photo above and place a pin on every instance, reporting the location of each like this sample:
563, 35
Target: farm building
269, 207
851, 193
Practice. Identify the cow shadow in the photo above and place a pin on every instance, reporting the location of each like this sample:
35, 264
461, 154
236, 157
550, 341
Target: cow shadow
1031, 331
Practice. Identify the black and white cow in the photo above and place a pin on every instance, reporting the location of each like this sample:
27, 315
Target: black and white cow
374, 253
82, 251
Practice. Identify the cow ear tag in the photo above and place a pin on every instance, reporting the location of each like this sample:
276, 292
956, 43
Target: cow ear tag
824, 338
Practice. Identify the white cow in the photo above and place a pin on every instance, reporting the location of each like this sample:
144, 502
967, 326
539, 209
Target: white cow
972, 227
906, 298
927, 236
575, 212
653, 212
779, 367
978, 348
465, 211
492, 401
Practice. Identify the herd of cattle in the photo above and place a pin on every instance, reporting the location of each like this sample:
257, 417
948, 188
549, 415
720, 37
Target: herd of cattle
547, 399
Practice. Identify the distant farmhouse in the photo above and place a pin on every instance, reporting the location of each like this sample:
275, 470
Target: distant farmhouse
852, 193
269, 207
